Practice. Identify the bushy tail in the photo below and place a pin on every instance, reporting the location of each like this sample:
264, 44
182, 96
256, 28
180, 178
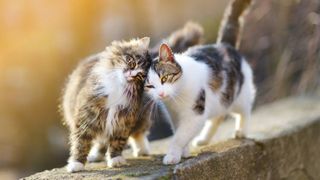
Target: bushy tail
191, 34
231, 25
180, 40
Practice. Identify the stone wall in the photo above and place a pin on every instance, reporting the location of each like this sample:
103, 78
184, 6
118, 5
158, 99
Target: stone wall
283, 143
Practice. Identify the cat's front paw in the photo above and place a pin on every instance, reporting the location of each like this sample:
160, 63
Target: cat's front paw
186, 153
116, 161
171, 159
75, 166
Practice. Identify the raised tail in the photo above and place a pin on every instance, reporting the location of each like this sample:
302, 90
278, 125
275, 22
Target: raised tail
191, 34
231, 24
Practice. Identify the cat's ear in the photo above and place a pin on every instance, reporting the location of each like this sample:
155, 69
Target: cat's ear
145, 42
165, 53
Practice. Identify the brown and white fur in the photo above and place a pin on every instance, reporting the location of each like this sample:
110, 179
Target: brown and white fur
102, 103
202, 85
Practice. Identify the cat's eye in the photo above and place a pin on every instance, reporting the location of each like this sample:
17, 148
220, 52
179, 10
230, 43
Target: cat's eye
164, 79
129, 58
149, 86
132, 64
138, 56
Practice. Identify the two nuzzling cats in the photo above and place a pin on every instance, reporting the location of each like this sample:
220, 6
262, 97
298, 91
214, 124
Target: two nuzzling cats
104, 103
108, 96
202, 85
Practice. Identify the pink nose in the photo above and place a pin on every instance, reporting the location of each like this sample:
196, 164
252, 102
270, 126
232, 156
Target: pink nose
161, 94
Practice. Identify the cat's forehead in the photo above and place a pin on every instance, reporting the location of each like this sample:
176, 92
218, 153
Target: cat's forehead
134, 50
165, 68
138, 54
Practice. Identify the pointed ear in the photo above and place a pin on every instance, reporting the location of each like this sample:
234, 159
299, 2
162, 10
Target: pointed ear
165, 53
145, 42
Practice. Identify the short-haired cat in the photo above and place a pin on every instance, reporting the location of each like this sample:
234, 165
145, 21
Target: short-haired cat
203, 84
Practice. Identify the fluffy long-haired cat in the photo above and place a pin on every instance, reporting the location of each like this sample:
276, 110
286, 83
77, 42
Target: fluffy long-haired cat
203, 84
103, 99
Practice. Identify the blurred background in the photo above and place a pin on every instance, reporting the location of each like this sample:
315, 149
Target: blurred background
42, 41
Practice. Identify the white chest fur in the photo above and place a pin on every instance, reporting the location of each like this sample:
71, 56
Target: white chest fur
112, 83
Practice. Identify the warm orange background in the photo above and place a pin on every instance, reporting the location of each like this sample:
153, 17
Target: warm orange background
41, 41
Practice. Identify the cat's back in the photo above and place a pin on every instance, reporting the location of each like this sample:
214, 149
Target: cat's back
75, 83
216, 56
221, 59
226, 65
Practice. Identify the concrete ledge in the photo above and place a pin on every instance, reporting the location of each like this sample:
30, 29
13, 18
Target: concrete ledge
291, 156
286, 146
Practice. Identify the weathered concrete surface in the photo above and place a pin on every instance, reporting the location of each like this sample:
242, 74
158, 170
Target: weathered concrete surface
286, 146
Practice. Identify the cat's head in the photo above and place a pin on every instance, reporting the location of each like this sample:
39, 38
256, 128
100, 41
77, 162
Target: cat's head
164, 75
131, 58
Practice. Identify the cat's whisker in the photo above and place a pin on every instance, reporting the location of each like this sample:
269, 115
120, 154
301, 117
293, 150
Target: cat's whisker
181, 99
174, 99
159, 112
155, 111
185, 100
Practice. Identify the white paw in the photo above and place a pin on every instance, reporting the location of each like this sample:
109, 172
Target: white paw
140, 152
116, 161
75, 166
97, 157
186, 153
171, 159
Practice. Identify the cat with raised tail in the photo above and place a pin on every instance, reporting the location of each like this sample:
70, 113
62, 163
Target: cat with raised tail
202, 85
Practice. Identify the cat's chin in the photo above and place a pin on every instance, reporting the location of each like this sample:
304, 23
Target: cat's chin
156, 98
164, 99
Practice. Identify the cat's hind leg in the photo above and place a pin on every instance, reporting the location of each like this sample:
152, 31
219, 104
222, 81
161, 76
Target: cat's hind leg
139, 144
208, 131
138, 138
244, 102
242, 116
98, 150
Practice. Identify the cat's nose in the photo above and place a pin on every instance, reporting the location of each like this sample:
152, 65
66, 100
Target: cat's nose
161, 94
